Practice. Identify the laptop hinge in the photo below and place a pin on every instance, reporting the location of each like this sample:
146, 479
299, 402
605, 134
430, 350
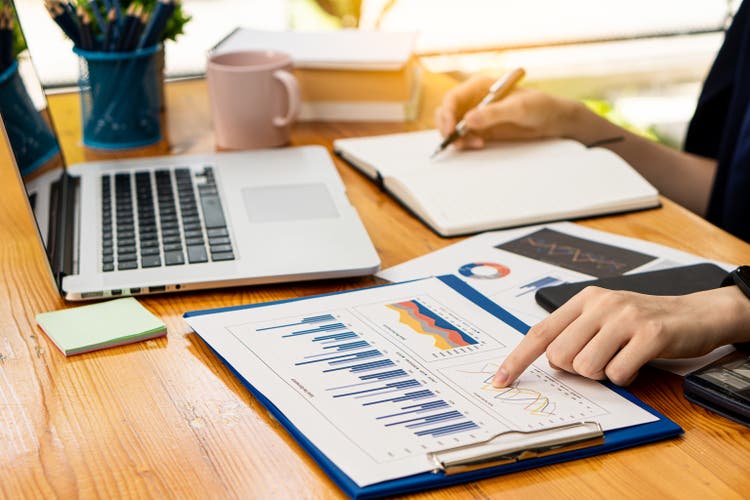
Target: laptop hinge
61, 227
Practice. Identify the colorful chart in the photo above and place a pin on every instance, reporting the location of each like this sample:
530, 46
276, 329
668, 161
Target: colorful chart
577, 254
533, 402
425, 322
484, 270
536, 398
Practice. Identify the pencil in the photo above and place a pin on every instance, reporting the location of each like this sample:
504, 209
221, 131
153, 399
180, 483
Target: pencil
69, 13
127, 27
139, 27
94, 7
118, 10
107, 41
498, 90
87, 38
156, 23
6, 40
59, 14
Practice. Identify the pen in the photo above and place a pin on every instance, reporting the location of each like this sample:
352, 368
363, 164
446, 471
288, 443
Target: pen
498, 90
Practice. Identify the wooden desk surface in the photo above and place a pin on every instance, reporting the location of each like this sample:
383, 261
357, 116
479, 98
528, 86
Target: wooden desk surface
165, 418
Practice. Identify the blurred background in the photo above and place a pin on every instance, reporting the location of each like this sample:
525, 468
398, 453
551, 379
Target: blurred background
638, 61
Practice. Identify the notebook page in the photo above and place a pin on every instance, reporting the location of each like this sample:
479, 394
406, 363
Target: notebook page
506, 186
395, 154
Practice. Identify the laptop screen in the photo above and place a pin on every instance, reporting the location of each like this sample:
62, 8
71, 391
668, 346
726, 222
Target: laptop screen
27, 124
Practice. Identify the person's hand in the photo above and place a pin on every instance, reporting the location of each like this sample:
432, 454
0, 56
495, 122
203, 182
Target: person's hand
522, 114
611, 334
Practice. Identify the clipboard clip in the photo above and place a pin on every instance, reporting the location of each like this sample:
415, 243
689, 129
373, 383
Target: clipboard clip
513, 446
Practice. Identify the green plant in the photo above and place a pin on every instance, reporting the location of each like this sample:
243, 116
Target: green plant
175, 24
19, 42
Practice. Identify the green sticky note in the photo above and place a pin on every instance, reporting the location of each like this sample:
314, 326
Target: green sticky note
101, 325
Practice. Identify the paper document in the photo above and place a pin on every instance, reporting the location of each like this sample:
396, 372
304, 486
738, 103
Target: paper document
378, 378
510, 266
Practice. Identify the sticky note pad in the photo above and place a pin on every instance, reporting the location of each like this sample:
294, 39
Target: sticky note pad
97, 326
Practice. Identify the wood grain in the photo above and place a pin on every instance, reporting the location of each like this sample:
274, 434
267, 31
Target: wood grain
165, 418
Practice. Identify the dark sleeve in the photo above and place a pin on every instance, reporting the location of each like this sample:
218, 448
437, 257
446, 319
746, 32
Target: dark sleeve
706, 128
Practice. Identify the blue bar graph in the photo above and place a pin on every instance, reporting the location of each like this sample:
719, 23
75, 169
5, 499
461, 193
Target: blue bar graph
360, 344
448, 429
391, 385
336, 337
384, 375
414, 422
343, 358
320, 329
351, 345
362, 374
372, 379
372, 365
409, 396
417, 409
306, 321
540, 283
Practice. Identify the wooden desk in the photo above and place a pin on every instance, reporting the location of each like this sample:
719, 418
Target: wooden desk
165, 418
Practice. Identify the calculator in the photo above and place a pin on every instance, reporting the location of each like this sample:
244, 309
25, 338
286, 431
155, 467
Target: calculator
723, 388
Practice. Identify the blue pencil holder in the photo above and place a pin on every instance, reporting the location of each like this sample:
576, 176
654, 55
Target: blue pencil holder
29, 133
121, 98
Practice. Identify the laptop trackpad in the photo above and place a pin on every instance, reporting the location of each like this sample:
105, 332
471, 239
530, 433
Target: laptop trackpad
289, 202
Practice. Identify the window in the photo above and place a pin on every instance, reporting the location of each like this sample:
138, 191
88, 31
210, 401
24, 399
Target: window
450, 25
644, 59
212, 20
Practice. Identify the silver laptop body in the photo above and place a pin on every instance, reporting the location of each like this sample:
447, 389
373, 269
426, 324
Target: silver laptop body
255, 217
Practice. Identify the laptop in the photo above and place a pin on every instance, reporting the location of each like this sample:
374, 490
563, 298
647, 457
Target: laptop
143, 226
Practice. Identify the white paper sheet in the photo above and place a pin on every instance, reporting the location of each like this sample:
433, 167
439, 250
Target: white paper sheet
379, 377
511, 279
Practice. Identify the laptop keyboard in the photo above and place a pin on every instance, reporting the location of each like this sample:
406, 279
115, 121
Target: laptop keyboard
163, 224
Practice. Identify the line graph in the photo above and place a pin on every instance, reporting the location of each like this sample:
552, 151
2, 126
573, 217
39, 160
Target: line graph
532, 401
536, 400
577, 254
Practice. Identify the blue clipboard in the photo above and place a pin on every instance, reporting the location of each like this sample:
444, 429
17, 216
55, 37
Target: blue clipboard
614, 440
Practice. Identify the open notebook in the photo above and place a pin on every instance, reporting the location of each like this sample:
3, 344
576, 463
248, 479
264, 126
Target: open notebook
503, 185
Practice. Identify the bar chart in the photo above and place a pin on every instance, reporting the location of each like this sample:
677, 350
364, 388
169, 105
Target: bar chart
346, 367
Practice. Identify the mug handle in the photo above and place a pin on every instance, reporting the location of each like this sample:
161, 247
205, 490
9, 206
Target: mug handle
292, 92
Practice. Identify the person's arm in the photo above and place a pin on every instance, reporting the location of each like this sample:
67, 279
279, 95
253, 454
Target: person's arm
682, 177
611, 334
527, 114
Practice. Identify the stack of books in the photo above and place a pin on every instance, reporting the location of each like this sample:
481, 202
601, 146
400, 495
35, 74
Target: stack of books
345, 75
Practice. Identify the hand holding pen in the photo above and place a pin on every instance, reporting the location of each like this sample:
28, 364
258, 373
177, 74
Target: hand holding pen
497, 91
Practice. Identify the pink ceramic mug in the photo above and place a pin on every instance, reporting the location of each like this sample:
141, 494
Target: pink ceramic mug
254, 98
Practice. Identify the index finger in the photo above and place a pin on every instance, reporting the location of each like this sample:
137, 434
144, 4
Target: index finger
537, 339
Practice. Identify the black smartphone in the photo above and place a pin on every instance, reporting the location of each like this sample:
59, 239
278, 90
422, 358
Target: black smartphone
723, 388
675, 281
